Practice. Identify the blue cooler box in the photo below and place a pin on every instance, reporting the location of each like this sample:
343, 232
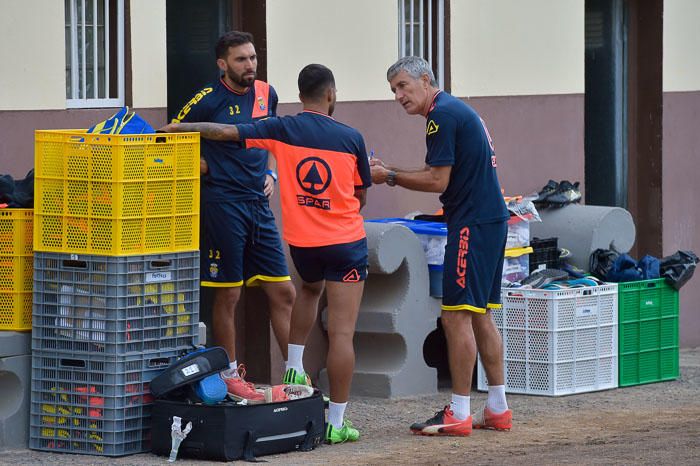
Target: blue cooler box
433, 237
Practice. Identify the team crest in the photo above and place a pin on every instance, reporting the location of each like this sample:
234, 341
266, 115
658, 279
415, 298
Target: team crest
261, 103
213, 269
432, 127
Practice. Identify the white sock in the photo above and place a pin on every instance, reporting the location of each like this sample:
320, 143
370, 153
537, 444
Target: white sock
496, 402
336, 411
232, 370
295, 354
460, 406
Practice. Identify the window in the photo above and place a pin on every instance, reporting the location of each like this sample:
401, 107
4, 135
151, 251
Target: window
422, 33
94, 53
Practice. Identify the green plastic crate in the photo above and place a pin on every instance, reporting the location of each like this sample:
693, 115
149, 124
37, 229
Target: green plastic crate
648, 326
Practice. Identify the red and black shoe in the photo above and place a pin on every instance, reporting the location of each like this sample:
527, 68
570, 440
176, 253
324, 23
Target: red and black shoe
443, 423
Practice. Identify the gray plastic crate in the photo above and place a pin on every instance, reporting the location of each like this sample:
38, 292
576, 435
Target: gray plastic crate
92, 404
115, 305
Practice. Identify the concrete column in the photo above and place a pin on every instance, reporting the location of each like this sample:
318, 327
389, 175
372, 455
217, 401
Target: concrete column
15, 384
583, 228
15, 343
396, 316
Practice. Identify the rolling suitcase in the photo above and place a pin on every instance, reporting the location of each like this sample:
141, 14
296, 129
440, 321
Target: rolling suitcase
229, 431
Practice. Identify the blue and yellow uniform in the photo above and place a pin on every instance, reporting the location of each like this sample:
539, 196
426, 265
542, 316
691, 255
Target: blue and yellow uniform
474, 208
320, 163
240, 240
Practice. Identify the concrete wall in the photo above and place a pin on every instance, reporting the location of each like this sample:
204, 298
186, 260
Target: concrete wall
356, 39
512, 47
33, 76
681, 43
148, 56
32, 55
681, 149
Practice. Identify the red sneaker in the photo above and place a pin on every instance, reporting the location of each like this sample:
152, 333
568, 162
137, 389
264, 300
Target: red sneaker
443, 423
240, 390
487, 419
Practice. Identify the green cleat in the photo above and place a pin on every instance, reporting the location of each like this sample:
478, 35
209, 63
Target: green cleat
292, 377
346, 434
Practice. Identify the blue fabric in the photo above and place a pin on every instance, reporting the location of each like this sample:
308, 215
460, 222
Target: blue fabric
649, 267
456, 136
473, 265
240, 241
345, 262
235, 173
123, 122
627, 269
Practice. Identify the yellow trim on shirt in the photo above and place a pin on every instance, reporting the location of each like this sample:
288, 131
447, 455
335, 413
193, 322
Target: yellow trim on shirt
253, 281
464, 307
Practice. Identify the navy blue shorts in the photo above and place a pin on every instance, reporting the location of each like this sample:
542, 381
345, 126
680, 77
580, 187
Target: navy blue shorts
241, 242
345, 262
473, 267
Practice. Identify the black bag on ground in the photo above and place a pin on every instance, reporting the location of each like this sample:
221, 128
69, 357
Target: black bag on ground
188, 369
601, 262
230, 431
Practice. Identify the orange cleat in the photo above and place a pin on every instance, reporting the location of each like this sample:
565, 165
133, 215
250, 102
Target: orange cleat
487, 419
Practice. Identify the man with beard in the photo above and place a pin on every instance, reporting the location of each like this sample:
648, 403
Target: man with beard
325, 172
241, 243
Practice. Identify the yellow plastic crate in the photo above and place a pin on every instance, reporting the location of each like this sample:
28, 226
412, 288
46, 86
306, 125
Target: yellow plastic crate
16, 232
16, 269
16, 310
116, 195
16, 273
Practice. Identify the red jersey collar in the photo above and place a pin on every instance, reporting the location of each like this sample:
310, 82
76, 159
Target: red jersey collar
232, 89
432, 103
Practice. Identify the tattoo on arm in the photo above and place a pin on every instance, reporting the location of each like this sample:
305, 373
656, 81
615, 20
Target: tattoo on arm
215, 131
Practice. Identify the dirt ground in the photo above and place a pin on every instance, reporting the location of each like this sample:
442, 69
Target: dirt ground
642, 425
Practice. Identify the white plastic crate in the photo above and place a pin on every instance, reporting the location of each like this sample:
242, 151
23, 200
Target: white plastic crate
558, 342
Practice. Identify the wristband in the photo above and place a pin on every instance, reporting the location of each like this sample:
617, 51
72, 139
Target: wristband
272, 174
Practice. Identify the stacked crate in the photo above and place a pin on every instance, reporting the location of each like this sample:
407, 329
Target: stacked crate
15, 324
116, 283
16, 269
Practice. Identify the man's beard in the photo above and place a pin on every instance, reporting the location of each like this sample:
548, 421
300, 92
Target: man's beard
239, 79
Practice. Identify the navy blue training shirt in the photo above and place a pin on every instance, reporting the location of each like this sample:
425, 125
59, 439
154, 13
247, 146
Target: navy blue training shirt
235, 173
456, 136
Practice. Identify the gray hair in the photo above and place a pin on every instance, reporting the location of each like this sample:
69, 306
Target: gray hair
414, 66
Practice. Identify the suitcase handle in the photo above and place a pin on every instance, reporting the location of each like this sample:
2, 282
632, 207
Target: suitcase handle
308, 443
248, 454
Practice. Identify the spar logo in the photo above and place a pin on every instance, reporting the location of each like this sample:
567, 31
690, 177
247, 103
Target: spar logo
314, 176
462, 257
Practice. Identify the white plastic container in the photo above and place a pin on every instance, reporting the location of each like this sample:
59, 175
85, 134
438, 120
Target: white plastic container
558, 342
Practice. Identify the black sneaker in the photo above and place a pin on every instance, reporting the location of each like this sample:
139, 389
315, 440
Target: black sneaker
548, 189
567, 193
540, 278
443, 423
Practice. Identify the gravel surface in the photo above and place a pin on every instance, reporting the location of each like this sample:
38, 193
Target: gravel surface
641, 425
